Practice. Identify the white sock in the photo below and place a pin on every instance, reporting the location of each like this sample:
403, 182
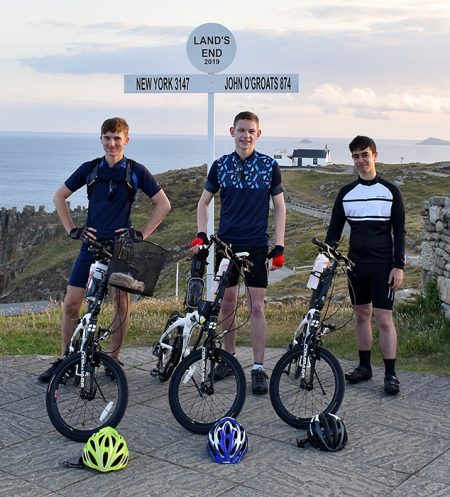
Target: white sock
257, 365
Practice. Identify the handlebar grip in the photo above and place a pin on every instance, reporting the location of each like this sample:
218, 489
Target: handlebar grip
94, 243
319, 243
332, 250
219, 242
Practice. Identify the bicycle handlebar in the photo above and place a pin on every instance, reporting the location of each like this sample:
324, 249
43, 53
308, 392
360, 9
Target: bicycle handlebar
333, 252
228, 251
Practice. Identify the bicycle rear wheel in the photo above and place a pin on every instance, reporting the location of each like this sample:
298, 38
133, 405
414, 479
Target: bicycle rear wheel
169, 358
198, 405
297, 400
78, 413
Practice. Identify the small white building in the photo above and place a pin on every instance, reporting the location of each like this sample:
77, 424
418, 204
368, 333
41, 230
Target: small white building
310, 157
303, 157
283, 159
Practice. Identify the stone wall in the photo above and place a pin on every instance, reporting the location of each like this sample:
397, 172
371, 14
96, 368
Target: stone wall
435, 256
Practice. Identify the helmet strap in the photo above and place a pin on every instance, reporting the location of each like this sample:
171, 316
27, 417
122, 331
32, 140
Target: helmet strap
303, 442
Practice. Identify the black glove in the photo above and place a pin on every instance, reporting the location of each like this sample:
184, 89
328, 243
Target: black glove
275, 252
79, 233
200, 239
135, 235
277, 256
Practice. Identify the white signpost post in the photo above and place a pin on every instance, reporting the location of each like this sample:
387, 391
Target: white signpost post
211, 48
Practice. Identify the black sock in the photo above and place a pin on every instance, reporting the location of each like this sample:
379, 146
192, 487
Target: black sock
389, 366
364, 358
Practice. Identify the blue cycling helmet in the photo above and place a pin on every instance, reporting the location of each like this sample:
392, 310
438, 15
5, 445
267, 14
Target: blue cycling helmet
227, 441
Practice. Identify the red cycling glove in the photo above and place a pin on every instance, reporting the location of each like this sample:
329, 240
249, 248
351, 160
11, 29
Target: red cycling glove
200, 239
277, 256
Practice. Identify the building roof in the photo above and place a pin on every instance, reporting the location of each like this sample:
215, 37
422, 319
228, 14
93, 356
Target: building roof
307, 153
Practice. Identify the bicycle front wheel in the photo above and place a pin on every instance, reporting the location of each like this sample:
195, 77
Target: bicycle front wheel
78, 412
295, 399
199, 402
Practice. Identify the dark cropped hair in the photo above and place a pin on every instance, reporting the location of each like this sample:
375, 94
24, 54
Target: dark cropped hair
248, 116
362, 142
115, 125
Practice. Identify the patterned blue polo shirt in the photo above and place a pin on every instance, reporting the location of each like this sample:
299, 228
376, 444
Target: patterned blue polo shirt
245, 190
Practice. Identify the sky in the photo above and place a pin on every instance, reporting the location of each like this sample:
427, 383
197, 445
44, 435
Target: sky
376, 68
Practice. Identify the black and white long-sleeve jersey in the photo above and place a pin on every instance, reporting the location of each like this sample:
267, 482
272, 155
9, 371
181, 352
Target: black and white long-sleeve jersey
376, 215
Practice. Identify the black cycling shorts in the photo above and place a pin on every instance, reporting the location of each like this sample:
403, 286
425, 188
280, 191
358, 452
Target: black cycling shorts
258, 276
368, 284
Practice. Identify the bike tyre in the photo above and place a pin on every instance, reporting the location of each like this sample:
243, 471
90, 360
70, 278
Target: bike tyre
297, 406
66, 408
199, 414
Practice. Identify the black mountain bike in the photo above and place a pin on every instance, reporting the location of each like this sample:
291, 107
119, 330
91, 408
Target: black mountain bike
308, 379
196, 399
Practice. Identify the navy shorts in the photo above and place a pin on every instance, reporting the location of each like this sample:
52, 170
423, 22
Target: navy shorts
80, 269
368, 284
257, 277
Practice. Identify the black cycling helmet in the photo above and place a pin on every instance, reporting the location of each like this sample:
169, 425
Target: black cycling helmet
327, 432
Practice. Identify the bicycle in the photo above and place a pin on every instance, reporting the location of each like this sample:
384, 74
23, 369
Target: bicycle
174, 342
308, 379
197, 400
89, 389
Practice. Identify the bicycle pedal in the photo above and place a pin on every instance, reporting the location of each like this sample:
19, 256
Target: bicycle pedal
154, 372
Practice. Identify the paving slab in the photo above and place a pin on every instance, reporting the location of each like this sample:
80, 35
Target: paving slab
398, 446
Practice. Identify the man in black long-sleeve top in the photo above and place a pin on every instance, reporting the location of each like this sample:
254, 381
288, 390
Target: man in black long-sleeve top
373, 208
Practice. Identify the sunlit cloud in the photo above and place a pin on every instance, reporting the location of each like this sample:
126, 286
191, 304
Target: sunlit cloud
372, 104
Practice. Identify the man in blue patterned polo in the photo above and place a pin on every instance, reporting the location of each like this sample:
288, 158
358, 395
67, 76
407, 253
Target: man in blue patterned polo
247, 180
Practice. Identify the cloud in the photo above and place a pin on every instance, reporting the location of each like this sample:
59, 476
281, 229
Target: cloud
151, 32
389, 44
372, 105
134, 60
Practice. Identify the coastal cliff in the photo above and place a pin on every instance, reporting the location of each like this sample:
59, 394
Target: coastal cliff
20, 232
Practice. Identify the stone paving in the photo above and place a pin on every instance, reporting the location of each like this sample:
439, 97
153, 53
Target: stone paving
398, 446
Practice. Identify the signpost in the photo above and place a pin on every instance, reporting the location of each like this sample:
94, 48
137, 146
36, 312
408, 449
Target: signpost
211, 48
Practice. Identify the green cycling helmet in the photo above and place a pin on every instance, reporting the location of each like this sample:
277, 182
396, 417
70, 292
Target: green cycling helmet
105, 450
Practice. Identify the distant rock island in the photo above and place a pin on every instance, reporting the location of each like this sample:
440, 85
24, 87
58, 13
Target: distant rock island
305, 140
434, 141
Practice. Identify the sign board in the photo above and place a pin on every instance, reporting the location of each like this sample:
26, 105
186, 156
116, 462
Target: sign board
211, 48
211, 83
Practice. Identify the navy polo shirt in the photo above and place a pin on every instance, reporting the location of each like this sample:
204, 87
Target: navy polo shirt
107, 211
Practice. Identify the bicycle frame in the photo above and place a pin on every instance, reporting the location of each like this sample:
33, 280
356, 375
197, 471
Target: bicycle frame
188, 322
86, 328
310, 328
208, 311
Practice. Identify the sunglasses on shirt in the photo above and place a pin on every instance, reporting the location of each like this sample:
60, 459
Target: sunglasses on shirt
112, 190
240, 172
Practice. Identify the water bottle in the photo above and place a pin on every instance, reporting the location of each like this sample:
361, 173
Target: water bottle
96, 273
223, 266
320, 264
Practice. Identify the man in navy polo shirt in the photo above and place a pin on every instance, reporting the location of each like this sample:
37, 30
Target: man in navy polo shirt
247, 180
110, 200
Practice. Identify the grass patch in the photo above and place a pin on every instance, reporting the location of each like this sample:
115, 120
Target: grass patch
424, 334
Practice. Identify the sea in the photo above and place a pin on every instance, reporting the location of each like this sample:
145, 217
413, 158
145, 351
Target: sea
34, 165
